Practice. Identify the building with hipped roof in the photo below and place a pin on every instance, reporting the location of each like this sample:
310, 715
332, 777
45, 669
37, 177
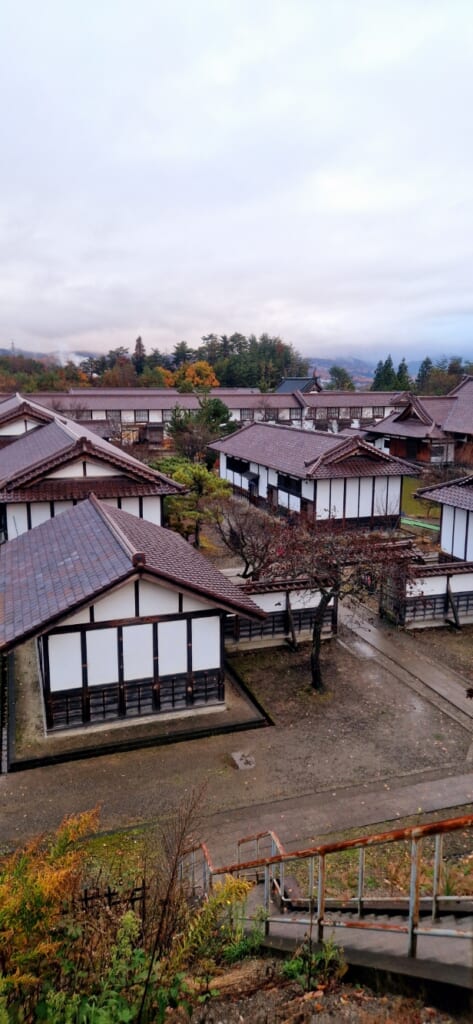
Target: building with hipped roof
320, 475
127, 618
50, 468
436, 429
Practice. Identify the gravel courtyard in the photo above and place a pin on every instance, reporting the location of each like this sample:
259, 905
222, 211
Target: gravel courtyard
368, 728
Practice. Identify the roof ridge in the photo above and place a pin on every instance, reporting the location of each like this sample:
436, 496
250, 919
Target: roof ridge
136, 557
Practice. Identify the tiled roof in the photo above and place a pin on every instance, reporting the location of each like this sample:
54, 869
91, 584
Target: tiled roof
460, 416
76, 489
16, 405
351, 399
40, 450
309, 454
420, 418
66, 562
146, 398
290, 384
458, 493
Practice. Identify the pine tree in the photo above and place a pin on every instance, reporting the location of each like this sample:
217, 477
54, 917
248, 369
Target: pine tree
424, 372
404, 382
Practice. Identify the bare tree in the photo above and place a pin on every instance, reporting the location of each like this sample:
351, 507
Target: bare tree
327, 559
249, 533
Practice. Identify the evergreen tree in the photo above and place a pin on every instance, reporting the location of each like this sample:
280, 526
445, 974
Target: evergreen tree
340, 379
139, 356
423, 374
385, 378
404, 382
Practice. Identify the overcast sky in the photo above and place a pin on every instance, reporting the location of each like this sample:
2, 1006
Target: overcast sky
175, 167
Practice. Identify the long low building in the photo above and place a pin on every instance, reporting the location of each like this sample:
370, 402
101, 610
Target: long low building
319, 475
140, 414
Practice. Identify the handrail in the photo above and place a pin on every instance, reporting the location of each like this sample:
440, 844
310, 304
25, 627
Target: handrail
262, 868
395, 835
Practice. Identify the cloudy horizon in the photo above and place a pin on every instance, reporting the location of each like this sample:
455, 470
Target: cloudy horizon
302, 168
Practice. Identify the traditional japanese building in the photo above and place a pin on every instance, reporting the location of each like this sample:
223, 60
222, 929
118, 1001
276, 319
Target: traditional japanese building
126, 616
456, 522
317, 474
49, 469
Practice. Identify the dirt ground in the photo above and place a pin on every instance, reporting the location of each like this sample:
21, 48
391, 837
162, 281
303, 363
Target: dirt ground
252, 994
449, 646
366, 726
369, 729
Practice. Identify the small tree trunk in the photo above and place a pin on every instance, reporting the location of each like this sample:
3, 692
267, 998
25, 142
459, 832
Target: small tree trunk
197, 533
315, 667
290, 622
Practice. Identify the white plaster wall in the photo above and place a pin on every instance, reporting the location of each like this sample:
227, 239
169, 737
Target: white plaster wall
151, 509
102, 656
394, 495
272, 477
40, 512
79, 618
336, 499
17, 521
275, 602
263, 482
95, 469
193, 604
459, 533
110, 501
306, 599
138, 651
206, 650
99, 414
69, 472
283, 499
446, 535
118, 605
366, 496
128, 416
469, 548
427, 586
172, 647
380, 495
157, 600
131, 505
65, 661
294, 503
351, 498
464, 581
17, 427
62, 506
307, 491
155, 416
322, 493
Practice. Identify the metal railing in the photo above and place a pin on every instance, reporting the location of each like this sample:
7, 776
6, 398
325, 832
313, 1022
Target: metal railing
423, 876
